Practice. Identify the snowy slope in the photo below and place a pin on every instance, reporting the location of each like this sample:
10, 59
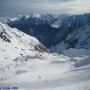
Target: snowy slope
16, 45
67, 71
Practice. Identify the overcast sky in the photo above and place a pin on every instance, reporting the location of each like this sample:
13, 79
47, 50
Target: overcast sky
16, 7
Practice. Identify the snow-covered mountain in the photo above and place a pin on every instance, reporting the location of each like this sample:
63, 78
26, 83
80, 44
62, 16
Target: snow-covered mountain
80, 38
56, 32
38, 27
14, 43
76, 33
26, 65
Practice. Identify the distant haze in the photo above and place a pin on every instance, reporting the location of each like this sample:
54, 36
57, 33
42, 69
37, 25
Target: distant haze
16, 7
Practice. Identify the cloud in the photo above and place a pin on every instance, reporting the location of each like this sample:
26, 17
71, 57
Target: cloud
47, 1
60, 1
15, 7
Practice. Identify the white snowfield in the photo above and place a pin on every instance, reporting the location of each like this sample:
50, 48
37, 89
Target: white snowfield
32, 70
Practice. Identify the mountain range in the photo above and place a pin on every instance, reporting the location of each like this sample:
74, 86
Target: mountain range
45, 52
54, 32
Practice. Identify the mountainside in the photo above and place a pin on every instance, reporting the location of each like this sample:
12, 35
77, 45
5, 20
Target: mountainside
39, 27
54, 32
14, 43
79, 38
75, 33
